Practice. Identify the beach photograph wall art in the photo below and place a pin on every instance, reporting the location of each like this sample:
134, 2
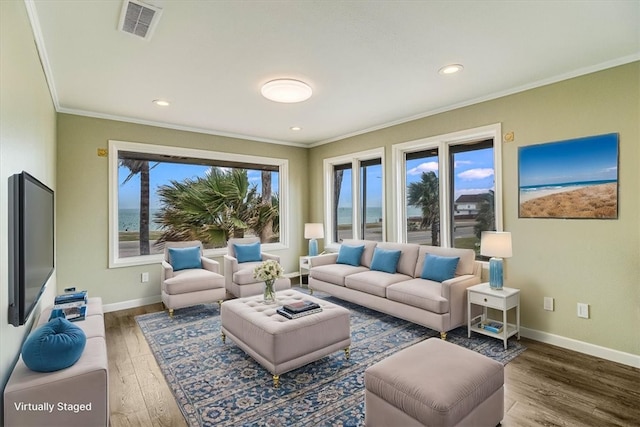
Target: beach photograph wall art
576, 178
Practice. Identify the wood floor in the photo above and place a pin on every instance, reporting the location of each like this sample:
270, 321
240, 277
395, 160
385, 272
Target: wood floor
545, 385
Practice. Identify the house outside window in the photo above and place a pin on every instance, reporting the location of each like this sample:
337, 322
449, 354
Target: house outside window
449, 188
160, 194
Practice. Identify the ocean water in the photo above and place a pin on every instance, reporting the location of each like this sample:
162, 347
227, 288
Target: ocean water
374, 214
129, 220
533, 188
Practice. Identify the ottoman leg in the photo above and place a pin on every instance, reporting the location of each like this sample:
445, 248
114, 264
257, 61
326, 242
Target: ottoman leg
443, 336
347, 352
276, 381
224, 338
171, 312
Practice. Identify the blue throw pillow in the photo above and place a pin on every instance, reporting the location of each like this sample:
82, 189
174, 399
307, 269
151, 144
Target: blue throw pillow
385, 260
184, 258
55, 345
439, 268
350, 255
248, 252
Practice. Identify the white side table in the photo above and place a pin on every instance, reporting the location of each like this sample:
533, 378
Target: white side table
504, 299
304, 268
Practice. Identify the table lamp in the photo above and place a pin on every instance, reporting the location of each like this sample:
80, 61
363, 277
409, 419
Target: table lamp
313, 231
497, 245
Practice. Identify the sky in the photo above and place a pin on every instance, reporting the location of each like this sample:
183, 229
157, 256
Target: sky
163, 173
593, 158
473, 174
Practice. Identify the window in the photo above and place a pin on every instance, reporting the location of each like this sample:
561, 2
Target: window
449, 188
354, 202
162, 194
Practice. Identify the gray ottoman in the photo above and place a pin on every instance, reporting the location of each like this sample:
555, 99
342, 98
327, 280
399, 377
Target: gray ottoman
280, 344
434, 383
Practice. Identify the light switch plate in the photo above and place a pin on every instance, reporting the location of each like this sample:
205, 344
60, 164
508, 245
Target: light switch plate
583, 310
548, 303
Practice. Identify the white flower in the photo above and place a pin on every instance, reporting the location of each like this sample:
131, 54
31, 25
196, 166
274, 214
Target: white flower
268, 270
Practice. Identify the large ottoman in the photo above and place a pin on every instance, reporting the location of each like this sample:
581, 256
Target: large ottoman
434, 383
280, 344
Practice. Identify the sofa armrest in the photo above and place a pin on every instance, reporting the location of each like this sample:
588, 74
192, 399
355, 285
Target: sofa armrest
230, 267
266, 256
167, 271
455, 291
326, 259
210, 264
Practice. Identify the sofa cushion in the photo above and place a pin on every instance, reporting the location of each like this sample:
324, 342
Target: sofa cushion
335, 273
424, 294
367, 254
350, 255
184, 258
385, 260
439, 268
187, 281
55, 345
408, 256
248, 252
466, 264
373, 282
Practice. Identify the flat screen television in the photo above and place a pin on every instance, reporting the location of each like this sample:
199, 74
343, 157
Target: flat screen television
31, 244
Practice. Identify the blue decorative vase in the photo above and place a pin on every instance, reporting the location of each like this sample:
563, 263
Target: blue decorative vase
313, 247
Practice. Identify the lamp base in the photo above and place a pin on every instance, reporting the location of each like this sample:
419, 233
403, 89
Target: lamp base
495, 273
313, 247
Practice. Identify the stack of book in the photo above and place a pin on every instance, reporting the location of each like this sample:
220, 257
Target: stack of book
299, 309
491, 326
72, 306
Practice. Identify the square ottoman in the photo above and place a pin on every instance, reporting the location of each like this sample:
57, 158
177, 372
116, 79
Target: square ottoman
280, 344
434, 383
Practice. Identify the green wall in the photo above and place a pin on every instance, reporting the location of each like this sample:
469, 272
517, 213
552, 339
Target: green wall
590, 261
27, 142
83, 202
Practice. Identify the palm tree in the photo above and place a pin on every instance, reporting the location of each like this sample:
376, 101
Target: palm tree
425, 195
267, 231
142, 168
486, 217
213, 208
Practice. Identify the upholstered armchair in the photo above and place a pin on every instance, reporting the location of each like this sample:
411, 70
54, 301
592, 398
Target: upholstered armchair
188, 278
243, 255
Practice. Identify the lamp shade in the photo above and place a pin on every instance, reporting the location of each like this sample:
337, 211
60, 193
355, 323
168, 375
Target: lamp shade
313, 231
496, 244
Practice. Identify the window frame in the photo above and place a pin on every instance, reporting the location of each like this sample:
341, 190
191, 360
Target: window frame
355, 159
115, 147
442, 143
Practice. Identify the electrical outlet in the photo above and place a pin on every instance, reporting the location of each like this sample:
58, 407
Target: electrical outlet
548, 303
144, 277
71, 289
583, 310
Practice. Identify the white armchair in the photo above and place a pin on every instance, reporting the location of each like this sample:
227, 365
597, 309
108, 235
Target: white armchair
190, 278
238, 267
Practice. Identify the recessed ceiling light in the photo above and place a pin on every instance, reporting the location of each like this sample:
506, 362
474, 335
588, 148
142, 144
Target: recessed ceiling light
295, 128
451, 69
286, 90
161, 102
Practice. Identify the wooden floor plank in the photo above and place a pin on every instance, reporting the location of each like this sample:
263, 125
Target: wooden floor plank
544, 386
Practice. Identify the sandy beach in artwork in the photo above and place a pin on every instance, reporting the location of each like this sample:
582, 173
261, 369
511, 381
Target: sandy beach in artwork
594, 201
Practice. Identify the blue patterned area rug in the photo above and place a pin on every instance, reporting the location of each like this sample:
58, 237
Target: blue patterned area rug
218, 384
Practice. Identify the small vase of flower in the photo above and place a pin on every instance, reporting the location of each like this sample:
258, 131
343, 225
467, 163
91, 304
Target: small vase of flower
268, 271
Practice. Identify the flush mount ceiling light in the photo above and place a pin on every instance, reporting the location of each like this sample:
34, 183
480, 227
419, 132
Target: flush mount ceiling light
450, 69
295, 128
286, 90
161, 102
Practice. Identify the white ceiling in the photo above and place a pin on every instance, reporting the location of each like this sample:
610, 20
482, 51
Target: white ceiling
370, 63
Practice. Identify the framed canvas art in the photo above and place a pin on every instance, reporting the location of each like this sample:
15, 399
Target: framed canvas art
576, 178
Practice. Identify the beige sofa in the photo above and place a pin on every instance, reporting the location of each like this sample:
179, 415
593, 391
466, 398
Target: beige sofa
75, 396
436, 305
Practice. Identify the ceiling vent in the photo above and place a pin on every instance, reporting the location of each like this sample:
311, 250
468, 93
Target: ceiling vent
139, 18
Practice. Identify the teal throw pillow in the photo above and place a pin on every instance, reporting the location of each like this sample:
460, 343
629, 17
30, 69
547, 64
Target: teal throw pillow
248, 252
350, 255
439, 268
55, 345
184, 258
385, 260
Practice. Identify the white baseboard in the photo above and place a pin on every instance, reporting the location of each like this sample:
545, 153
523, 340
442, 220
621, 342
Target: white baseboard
629, 359
131, 303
